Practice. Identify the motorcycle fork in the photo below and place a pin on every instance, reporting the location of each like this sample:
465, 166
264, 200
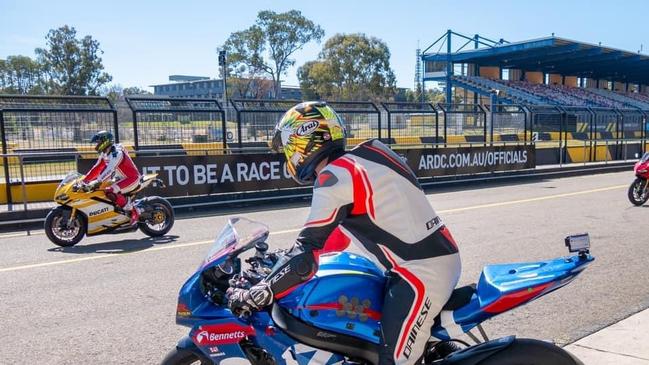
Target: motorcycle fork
73, 215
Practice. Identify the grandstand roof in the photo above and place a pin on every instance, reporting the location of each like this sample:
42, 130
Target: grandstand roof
560, 56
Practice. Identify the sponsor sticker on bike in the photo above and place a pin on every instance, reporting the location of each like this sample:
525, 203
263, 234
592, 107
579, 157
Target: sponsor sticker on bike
222, 334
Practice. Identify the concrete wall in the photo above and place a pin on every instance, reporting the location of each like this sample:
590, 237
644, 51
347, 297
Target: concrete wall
555, 79
490, 72
570, 81
534, 77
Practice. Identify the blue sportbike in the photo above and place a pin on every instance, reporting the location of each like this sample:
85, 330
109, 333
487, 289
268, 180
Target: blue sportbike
335, 317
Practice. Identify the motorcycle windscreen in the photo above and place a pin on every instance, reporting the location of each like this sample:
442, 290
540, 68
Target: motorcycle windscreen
237, 235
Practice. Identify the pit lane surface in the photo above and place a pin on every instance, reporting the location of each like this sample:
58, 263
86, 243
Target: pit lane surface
112, 299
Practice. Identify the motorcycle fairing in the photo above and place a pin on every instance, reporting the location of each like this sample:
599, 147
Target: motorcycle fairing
506, 286
219, 339
345, 296
193, 307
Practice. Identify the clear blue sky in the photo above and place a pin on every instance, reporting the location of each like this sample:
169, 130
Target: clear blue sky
145, 41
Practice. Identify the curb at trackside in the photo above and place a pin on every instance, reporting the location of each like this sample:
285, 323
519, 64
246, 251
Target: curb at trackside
622, 343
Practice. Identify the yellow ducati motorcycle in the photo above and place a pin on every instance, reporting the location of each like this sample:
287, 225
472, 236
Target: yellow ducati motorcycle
84, 210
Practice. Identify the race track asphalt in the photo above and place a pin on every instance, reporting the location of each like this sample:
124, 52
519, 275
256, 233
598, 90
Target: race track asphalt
112, 299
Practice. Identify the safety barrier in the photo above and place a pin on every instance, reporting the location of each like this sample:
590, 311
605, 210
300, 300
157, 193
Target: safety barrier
33, 183
48, 132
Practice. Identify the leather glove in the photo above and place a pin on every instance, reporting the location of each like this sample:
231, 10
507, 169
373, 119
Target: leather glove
84, 187
93, 185
243, 302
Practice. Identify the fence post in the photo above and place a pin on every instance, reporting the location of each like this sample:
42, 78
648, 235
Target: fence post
389, 127
5, 160
239, 138
22, 182
436, 124
116, 126
379, 119
136, 138
115, 123
224, 126
524, 126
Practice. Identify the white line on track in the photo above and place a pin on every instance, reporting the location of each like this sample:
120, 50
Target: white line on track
293, 230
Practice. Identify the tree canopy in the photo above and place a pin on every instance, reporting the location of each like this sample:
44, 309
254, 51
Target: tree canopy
20, 75
72, 66
266, 48
350, 67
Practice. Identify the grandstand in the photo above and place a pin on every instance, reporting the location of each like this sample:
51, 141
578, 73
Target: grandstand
545, 71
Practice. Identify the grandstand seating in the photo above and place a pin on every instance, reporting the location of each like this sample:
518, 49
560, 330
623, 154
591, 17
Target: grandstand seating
641, 98
524, 92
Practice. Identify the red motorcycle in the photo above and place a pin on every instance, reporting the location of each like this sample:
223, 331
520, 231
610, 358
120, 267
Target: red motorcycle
639, 189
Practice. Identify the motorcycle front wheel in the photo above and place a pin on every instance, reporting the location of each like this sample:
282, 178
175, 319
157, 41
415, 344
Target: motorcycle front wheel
638, 192
531, 352
184, 357
158, 217
60, 230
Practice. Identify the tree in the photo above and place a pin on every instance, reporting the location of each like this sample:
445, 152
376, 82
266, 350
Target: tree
116, 92
20, 75
72, 66
265, 49
350, 67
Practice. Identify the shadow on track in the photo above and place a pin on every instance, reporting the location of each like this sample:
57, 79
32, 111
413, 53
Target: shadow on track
117, 247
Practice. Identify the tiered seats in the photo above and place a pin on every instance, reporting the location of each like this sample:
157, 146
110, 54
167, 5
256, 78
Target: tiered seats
628, 101
643, 99
512, 94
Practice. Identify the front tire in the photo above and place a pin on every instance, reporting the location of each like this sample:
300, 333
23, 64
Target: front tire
158, 217
638, 193
62, 232
531, 352
184, 357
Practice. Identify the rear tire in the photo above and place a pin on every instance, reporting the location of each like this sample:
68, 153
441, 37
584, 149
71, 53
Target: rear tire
531, 352
160, 217
184, 357
60, 235
637, 193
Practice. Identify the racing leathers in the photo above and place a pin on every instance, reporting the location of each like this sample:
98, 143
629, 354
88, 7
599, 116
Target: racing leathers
117, 164
370, 197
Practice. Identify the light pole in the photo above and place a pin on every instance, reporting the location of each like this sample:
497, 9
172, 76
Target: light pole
224, 68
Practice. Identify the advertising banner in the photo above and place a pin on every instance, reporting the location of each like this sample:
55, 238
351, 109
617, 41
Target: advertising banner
469, 160
204, 175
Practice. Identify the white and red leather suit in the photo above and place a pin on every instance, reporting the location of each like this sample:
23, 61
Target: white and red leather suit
118, 165
370, 197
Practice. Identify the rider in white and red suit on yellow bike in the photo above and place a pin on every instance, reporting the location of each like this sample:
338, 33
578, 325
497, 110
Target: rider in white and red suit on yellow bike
114, 163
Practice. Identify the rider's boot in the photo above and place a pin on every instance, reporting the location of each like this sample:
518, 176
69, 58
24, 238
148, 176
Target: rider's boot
133, 210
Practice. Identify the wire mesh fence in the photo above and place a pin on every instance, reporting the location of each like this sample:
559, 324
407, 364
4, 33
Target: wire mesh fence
51, 124
464, 122
256, 120
507, 123
32, 123
174, 122
411, 123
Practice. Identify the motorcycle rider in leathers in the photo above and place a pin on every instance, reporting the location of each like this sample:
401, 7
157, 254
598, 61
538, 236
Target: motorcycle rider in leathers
370, 197
114, 162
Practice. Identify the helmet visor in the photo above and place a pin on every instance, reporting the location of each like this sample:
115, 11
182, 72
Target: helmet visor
280, 139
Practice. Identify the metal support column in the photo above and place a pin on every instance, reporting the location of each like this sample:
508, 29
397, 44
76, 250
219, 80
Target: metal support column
449, 68
5, 160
